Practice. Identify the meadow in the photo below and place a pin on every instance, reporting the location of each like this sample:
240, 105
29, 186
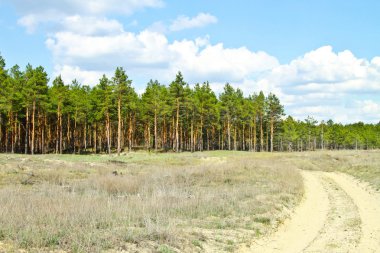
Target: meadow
145, 202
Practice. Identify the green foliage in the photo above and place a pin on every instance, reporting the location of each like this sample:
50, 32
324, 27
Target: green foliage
165, 249
58, 95
178, 117
274, 107
36, 84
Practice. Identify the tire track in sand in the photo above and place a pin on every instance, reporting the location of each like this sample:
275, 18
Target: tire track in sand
368, 204
341, 232
337, 214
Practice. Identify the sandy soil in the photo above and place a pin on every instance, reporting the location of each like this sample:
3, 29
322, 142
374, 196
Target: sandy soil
337, 214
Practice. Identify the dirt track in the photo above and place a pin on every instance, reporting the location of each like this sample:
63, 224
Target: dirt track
337, 214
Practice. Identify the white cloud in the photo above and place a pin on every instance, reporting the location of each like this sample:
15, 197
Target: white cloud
106, 52
158, 27
151, 52
91, 25
30, 22
93, 7
202, 42
201, 20
33, 20
323, 66
86, 77
369, 107
326, 84
35, 12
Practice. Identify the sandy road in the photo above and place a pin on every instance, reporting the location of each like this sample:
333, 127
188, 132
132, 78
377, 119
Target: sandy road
337, 214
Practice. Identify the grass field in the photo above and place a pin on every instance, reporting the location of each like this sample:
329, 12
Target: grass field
211, 201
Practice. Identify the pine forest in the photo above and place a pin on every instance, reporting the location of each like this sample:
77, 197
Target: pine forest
38, 116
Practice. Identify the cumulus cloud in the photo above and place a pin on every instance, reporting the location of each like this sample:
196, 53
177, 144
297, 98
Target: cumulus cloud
93, 7
201, 20
150, 51
35, 12
91, 25
84, 76
368, 109
326, 84
145, 49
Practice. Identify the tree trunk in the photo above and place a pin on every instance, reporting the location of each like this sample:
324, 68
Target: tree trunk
19, 137
254, 134
43, 135
6, 139
243, 139
222, 137
177, 129
96, 138
229, 132
208, 140
75, 133
163, 141
250, 138
149, 141
26, 131
322, 141
108, 132
57, 137
155, 130
12, 131
68, 142
119, 126
235, 138
271, 134
85, 136
192, 136
130, 132
1, 133
33, 125
267, 140
261, 134
201, 135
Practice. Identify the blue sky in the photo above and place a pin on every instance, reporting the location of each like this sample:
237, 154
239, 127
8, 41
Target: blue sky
320, 57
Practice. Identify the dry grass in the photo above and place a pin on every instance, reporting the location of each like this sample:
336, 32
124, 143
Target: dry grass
212, 201
164, 203
364, 165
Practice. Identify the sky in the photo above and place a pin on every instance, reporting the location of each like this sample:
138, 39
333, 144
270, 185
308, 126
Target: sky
320, 57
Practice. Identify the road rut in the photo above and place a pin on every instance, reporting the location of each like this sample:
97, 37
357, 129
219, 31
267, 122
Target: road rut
337, 214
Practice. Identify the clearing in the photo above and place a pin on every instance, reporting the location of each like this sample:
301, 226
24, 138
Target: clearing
202, 202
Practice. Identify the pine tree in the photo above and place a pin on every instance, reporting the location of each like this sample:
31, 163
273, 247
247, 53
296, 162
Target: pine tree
14, 98
104, 96
260, 106
79, 104
177, 95
121, 86
205, 103
36, 87
3, 102
58, 94
275, 111
154, 100
228, 107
